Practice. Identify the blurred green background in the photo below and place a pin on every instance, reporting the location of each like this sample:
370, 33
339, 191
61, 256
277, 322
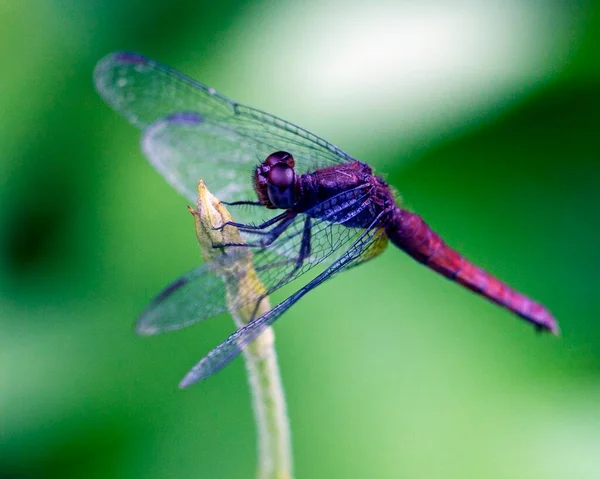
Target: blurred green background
484, 115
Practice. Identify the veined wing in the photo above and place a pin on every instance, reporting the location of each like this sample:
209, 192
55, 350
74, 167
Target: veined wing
201, 293
194, 132
367, 245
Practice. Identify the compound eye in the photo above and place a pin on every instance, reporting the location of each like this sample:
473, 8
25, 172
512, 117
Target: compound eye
280, 157
280, 186
281, 176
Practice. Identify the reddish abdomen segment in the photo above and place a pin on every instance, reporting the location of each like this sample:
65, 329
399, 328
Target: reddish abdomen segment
410, 233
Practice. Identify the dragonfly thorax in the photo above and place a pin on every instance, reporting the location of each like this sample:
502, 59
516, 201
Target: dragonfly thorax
275, 181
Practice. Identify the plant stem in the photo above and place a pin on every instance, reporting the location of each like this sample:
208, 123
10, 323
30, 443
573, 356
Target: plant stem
268, 399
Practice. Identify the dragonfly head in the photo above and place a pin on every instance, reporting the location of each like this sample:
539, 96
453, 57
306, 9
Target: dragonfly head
275, 181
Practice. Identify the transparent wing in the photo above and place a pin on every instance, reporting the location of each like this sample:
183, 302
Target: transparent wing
202, 293
194, 132
185, 147
362, 249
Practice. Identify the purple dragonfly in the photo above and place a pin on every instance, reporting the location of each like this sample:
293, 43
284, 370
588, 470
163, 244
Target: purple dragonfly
298, 201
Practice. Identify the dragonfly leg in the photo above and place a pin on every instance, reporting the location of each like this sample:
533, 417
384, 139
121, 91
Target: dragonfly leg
252, 228
270, 236
303, 253
238, 203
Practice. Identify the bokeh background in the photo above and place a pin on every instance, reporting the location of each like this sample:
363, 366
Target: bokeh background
485, 115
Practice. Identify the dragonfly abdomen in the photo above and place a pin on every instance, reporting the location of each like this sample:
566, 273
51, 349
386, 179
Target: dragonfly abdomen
409, 232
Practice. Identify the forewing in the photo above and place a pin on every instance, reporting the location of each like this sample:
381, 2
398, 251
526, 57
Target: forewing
179, 109
360, 250
202, 293
184, 147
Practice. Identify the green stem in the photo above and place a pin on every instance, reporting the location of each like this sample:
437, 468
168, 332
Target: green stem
268, 399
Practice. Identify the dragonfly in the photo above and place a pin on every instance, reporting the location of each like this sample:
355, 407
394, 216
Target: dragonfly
298, 202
